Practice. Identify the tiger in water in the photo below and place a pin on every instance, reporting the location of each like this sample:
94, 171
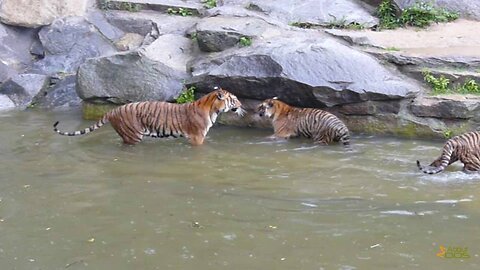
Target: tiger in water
465, 147
288, 121
162, 119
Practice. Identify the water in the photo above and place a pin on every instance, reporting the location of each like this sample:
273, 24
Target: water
237, 202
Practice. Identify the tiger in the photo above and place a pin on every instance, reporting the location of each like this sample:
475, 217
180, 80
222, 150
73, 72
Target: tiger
465, 147
160, 119
288, 121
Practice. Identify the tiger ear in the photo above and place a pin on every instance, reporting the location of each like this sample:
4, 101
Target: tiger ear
220, 95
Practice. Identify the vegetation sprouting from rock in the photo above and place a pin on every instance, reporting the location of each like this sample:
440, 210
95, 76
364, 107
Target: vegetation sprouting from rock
179, 11
441, 85
421, 14
245, 41
187, 96
107, 4
210, 3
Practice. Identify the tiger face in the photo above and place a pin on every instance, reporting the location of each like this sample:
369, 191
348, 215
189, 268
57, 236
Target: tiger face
267, 108
227, 101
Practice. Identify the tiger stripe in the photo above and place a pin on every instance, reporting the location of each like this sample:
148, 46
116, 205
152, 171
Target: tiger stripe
464, 148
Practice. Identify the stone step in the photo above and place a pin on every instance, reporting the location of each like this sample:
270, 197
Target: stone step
194, 7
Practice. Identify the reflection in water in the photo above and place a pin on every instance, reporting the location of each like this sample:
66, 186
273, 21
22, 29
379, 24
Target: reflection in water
238, 202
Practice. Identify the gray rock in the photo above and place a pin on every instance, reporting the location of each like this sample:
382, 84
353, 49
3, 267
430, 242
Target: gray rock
22, 88
6, 103
466, 8
15, 45
99, 20
156, 73
68, 42
34, 13
61, 93
305, 72
447, 108
6, 72
318, 12
129, 41
216, 34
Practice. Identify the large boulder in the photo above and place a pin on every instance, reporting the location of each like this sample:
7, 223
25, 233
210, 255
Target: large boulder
68, 42
452, 107
216, 34
154, 73
21, 89
61, 93
6, 103
15, 43
318, 12
35, 13
304, 71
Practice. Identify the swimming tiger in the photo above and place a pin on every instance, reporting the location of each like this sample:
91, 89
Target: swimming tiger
465, 147
162, 119
288, 121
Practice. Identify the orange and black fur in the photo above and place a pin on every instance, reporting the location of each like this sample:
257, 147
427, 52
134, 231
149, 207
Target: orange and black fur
288, 121
162, 119
465, 148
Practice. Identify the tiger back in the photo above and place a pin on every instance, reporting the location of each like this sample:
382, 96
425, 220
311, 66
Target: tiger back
288, 121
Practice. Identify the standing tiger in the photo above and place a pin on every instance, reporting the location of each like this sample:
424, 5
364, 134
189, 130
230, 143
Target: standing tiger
465, 147
323, 127
162, 119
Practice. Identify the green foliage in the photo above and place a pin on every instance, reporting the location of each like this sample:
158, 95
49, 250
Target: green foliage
448, 133
421, 14
469, 87
387, 15
209, 3
107, 4
245, 41
180, 12
193, 36
342, 24
439, 85
303, 25
392, 49
187, 96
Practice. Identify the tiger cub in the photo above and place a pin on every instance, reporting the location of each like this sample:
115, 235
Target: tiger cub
465, 147
288, 121
162, 119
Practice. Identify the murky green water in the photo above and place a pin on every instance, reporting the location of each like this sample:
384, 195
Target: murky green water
237, 202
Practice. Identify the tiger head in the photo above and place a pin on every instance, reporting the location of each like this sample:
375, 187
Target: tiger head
269, 107
226, 101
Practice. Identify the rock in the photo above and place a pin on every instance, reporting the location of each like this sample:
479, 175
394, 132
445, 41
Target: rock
458, 107
6, 103
15, 45
129, 41
61, 93
6, 72
155, 73
369, 108
302, 71
68, 42
317, 12
158, 5
216, 34
250, 119
99, 20
22, 88
35, 13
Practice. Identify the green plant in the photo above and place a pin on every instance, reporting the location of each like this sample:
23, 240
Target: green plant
193, 36
421, 14
187, 96
180, 11
209, 3
439, 85
245, 41
392, 49
108, 4
303, 25
448, 133
470, 87
387, 15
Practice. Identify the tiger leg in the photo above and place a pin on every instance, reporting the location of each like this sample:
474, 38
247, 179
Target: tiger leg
130, 132
196, 140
